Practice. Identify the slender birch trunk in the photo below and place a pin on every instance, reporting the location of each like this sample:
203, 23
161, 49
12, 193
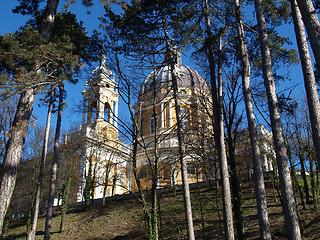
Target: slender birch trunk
288, 201
32, 233
308, 73
54, 166
261, 199
219, 136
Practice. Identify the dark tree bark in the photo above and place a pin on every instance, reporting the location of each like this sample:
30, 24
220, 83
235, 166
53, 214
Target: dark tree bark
262, 207
288, 201
54, 166
48, 18
64, 198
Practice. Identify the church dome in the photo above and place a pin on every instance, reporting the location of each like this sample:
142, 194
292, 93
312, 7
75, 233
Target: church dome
186, 77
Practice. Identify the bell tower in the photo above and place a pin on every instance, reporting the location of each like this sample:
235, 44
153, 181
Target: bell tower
100, 103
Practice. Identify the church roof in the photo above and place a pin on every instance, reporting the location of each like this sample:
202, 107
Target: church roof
186, 77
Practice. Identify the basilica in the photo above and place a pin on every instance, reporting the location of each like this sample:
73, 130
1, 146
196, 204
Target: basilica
111, 160
98, 162
113, 163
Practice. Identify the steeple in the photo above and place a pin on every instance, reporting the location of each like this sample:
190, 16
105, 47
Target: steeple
100, 98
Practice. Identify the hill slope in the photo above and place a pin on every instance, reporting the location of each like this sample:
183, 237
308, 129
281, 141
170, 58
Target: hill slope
123, 219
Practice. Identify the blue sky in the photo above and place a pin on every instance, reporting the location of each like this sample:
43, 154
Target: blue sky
11, 22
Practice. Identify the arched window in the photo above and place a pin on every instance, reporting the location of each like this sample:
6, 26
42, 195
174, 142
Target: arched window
153, 119
183, 92
184, 118
107, 113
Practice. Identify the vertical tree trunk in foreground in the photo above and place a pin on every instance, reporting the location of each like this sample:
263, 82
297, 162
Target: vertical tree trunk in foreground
64, 198
219, 137
181, 143
288, 201
20, 126
182, 154
311, 21
54, 166
308, 73
262, 207
14, 147
32, 233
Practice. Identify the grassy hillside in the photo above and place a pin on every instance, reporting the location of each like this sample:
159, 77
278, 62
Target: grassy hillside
123, 219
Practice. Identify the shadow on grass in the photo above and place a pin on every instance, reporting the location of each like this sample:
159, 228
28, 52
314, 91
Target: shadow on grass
313, 228
139, 235
15, 236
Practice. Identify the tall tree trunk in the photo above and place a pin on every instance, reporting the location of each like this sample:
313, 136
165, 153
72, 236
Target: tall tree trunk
48, 18
19, 127
288, 202
306, 62
236, 189
261, 199
32, 233
182, 155
54, 166
295, 183
311, 21
64, 198
14, 147
219, 137
182, 148
304, 178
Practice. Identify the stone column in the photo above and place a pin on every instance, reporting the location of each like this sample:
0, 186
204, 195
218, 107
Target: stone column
100, 110
162, 115
116, 114
198, 114
110, 112
170, 113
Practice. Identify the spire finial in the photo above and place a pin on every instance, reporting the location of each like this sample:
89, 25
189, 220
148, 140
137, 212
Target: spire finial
102, 59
